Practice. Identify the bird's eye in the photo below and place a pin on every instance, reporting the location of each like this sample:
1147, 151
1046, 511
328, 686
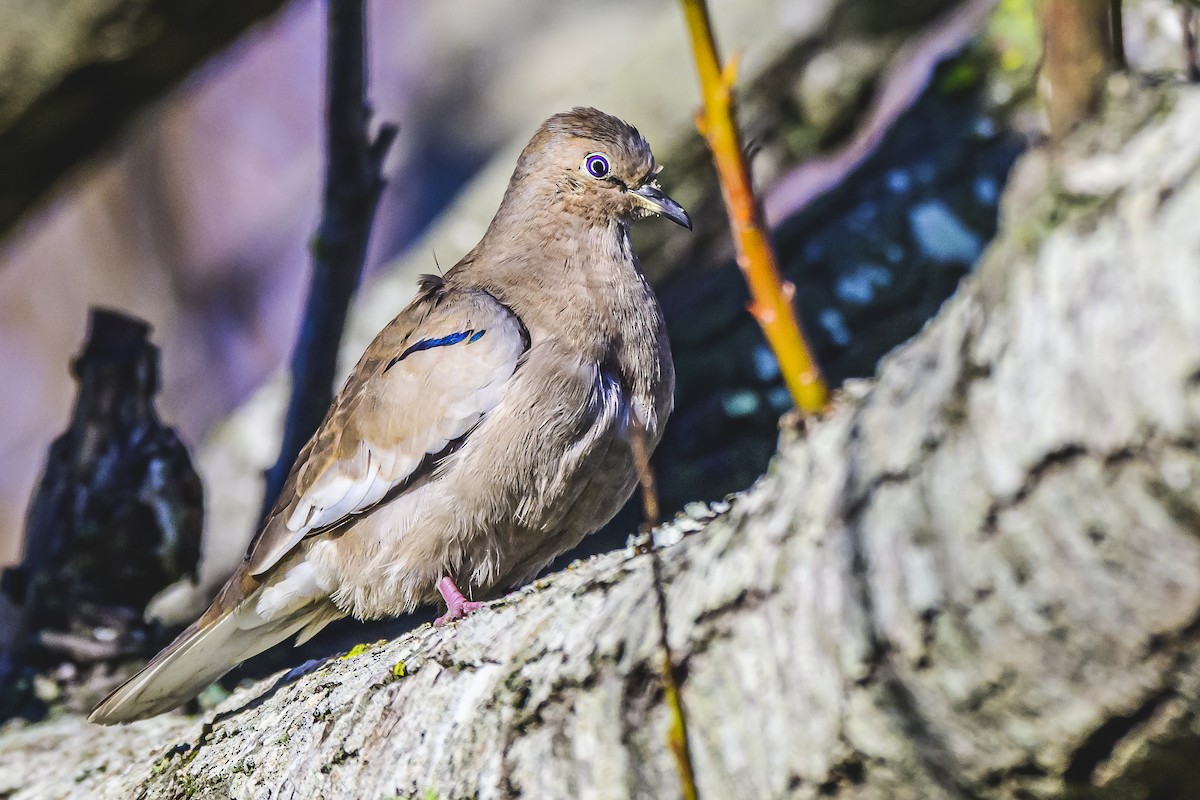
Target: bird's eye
596, 165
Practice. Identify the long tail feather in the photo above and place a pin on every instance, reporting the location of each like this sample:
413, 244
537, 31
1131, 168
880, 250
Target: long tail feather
198, 657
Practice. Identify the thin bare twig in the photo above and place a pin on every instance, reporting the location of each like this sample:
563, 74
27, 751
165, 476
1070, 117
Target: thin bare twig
677, 732
1076, 59
1189, 44
641, 461
352, 188
1116, 24
770, 295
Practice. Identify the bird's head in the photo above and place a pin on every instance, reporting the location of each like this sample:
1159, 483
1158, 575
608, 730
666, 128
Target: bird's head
596, 166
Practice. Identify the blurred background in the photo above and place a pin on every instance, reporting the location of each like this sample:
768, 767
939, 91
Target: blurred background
170, 166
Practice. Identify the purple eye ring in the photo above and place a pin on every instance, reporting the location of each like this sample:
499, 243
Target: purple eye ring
596, 165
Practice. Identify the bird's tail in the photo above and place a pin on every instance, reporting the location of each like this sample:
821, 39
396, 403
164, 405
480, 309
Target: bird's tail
201, 655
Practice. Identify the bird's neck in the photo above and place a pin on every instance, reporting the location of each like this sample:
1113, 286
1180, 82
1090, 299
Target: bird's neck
570, 278
577, 287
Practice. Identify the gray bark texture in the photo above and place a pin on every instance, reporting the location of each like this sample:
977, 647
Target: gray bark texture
979, 576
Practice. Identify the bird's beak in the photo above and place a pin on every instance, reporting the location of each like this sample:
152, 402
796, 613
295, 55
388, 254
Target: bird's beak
651, 198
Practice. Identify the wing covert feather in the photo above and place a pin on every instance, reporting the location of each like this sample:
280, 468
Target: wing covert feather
425, 381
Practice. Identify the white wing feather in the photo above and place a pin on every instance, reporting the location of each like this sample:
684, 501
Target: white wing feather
436, 394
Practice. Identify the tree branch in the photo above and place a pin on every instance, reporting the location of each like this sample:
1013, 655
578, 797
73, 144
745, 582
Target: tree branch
978, 576
352, 188
903, 80
1078, 55
771, 297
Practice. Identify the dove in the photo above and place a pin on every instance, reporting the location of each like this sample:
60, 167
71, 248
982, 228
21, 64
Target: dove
487, 429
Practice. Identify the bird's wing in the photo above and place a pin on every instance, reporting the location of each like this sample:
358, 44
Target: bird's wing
422, 385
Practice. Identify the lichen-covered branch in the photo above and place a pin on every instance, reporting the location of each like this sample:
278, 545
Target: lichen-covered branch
979, 576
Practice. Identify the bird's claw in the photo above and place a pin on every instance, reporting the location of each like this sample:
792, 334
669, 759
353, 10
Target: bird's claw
457, 606
457, 612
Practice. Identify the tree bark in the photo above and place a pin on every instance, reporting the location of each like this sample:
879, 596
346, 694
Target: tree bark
978, 576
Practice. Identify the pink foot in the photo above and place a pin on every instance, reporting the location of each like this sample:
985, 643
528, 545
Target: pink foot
457, 606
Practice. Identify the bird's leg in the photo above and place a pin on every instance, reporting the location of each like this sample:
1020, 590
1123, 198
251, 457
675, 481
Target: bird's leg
457, 606
1189, 44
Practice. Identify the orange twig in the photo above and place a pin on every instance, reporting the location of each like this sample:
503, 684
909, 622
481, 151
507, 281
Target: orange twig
641, 462
1077, 57
770, 295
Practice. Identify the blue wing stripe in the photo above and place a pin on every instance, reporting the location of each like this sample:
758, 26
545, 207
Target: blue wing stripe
441, 341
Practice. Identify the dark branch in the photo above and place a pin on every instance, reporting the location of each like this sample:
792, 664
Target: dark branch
1117, 26
352, 187
115, 519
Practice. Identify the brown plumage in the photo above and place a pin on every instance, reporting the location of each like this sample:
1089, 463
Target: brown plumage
485, 431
